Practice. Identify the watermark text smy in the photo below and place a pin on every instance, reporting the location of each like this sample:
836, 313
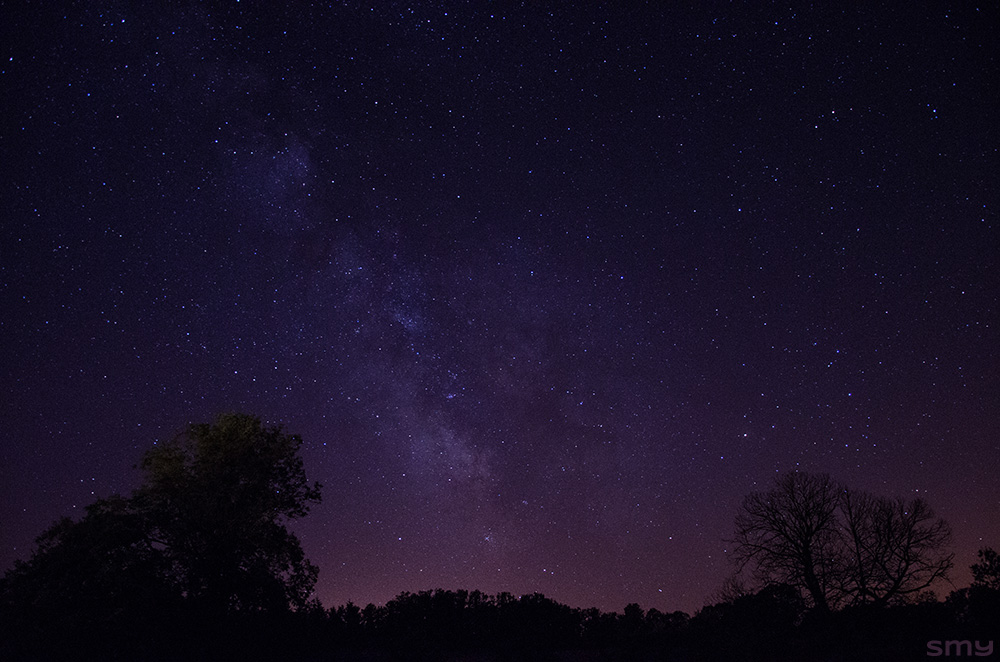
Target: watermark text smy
958, 648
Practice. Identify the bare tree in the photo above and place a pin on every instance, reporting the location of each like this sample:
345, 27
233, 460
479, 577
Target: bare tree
839, 546
733, 588
791, 535
895, 549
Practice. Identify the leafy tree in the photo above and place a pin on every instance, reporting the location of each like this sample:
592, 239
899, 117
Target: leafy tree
978, 606
86, 582
217, 499
205, 530
986, 573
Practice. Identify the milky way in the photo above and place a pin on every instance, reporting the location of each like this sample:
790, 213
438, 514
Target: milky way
545, 291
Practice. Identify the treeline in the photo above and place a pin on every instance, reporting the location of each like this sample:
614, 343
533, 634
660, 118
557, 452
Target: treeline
439, 621
198, 564
772, 624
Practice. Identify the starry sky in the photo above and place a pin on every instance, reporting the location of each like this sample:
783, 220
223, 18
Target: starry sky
546, 288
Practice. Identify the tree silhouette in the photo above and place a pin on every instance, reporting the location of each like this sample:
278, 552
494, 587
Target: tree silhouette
203, 535
986, 573
840, 546
86, 581
895, 549
791, 535
217, 498
982, 598
751, 626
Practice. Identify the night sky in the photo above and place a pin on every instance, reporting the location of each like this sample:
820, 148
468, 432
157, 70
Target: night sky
546, 289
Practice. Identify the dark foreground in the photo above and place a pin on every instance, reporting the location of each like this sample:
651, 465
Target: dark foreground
456, 625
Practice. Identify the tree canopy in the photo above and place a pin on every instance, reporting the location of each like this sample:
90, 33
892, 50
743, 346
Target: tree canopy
217, 498
986, 573
204, 533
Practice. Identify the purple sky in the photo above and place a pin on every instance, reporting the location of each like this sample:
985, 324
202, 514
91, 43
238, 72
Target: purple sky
546, 293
